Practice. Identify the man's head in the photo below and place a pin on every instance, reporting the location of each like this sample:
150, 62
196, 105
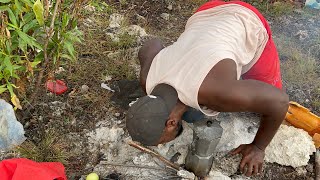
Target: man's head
149, 120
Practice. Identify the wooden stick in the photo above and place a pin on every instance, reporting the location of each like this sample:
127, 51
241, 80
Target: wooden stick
154, 154
317, 169
133, 166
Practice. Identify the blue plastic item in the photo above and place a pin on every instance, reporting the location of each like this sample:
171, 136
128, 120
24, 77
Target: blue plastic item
11, 131
315, 4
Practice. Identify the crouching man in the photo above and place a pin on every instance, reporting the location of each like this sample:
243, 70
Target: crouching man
224, 61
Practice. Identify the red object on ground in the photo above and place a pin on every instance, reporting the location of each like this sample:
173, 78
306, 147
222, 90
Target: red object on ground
56, 86
22, 169
267, 68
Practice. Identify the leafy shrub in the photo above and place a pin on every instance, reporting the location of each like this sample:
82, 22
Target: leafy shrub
34, 34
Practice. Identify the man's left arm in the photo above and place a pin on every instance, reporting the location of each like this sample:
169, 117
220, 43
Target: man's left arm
252, 96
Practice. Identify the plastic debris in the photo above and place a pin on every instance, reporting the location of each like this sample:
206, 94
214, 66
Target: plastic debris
301, 117
315, 4
56, 86
21, 168
105, 86
11, 131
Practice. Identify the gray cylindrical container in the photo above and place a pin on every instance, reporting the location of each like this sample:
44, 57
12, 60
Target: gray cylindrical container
206, 136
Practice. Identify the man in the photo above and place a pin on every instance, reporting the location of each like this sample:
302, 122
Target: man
222, 42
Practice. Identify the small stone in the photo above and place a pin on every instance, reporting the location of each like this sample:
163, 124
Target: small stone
178, 7
217, 175
117, 114
307, 100
84, 88
301, 171
135, 30
165, 16
60, 70
186, 174
302, 34
90, 8
113, 37
107, 78
115, 20
170, 7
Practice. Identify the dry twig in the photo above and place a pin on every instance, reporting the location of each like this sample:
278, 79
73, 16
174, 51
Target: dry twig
134, 166
154, 154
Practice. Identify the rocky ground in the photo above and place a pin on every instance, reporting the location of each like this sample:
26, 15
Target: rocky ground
88, 122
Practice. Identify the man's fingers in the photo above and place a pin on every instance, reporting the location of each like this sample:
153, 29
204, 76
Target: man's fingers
237, 150
255, 169
242, 164
249, 170
260, 168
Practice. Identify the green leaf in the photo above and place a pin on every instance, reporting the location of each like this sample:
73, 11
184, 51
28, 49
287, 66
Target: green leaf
8, 47
27, 18
66, 56
9, 86
30, 25
18, 5
38, 11
3, 88
29, 40
22, 45
29, 3
25, 37
4, 1
8, 64
35, 63
4, 8
65, 20
12, 17
39, 57
69, 46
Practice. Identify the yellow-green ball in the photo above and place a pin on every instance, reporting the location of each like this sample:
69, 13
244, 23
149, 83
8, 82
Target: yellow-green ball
92, 176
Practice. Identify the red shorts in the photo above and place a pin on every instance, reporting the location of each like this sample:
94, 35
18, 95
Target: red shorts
267, 68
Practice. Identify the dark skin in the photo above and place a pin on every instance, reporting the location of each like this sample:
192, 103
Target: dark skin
221, 91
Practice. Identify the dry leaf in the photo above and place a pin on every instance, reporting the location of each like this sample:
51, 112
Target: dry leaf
16, 102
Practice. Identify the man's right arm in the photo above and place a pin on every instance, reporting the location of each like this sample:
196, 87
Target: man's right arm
146, 54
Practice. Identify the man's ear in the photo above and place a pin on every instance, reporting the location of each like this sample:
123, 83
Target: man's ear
171, 123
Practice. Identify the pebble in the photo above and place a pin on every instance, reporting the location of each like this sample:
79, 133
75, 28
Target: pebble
165, 16
84, 88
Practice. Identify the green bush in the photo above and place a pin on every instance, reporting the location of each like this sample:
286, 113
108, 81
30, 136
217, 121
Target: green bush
34, 34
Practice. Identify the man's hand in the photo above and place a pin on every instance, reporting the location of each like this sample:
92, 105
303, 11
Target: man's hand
252, 158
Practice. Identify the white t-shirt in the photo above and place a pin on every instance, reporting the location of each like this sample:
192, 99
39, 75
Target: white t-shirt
227, 31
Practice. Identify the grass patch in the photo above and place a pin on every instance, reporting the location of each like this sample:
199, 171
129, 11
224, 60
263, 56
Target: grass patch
121, 66
197, 2
50, 149
125, 41
316, 99
274, 9
300, 69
